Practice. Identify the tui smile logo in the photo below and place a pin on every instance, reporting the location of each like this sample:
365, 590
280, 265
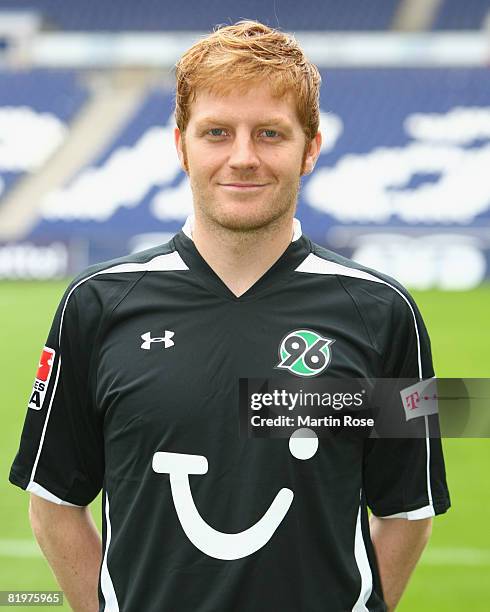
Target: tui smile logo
303, 444
304, 353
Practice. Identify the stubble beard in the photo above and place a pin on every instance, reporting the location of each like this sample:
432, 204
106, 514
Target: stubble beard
282, 206
266, 215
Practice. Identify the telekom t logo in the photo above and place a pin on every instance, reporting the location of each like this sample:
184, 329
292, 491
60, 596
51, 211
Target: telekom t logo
412, 400
166, 339
420, 399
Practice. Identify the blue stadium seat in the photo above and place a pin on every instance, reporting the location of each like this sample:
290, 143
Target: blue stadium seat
35, 107
458, 15
155, 15
119, 185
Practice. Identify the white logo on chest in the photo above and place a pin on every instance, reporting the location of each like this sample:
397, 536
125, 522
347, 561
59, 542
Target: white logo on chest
166, 339
303, 445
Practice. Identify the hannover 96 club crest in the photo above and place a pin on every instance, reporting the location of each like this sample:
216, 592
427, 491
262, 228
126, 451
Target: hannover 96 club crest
304, 353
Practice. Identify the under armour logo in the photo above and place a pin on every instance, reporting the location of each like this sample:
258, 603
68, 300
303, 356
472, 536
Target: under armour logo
167, 342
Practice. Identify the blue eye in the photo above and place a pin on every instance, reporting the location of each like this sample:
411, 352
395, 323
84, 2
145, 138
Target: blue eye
216, 132
270, 133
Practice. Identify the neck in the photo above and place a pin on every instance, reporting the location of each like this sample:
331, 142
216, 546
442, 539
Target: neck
241, 258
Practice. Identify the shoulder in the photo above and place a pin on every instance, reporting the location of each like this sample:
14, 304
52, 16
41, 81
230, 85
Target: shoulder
162, 257
365, 285
101, 286
131, 267
386, 307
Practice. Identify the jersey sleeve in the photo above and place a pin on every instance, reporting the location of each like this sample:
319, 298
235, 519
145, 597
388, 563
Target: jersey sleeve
60, 456
405, 477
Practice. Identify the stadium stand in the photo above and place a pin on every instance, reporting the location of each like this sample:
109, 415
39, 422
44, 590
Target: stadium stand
400, 174
155, 15
457, 15
35, 108
391, 162
117, 188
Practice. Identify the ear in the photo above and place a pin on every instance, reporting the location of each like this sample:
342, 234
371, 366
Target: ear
178, 139
312, 153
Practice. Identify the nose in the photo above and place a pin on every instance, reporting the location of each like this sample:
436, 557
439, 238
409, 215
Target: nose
243, 155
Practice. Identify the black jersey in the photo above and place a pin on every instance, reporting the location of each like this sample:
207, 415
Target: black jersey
137, 395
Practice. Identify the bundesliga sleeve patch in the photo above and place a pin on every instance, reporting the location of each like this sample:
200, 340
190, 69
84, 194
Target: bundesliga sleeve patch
41, 381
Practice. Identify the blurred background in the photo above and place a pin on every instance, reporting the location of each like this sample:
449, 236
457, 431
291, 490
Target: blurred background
88, 172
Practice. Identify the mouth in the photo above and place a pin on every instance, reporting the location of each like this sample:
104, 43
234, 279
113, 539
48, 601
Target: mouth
243, 187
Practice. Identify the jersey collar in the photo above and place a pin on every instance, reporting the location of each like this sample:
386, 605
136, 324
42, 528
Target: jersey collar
277, 274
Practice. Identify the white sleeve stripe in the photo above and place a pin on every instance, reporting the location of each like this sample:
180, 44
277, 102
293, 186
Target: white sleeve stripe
41, 441
427, 445
413, 515
106, 584
40, 491
313, 264
363, 566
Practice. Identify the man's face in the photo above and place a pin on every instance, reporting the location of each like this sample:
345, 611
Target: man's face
245, 153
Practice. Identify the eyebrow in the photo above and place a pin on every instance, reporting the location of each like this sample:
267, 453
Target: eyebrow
271, 121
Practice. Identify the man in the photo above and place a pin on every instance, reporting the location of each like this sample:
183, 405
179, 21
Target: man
137, 388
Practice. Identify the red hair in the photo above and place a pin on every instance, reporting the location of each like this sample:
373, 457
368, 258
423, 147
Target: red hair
242, 53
